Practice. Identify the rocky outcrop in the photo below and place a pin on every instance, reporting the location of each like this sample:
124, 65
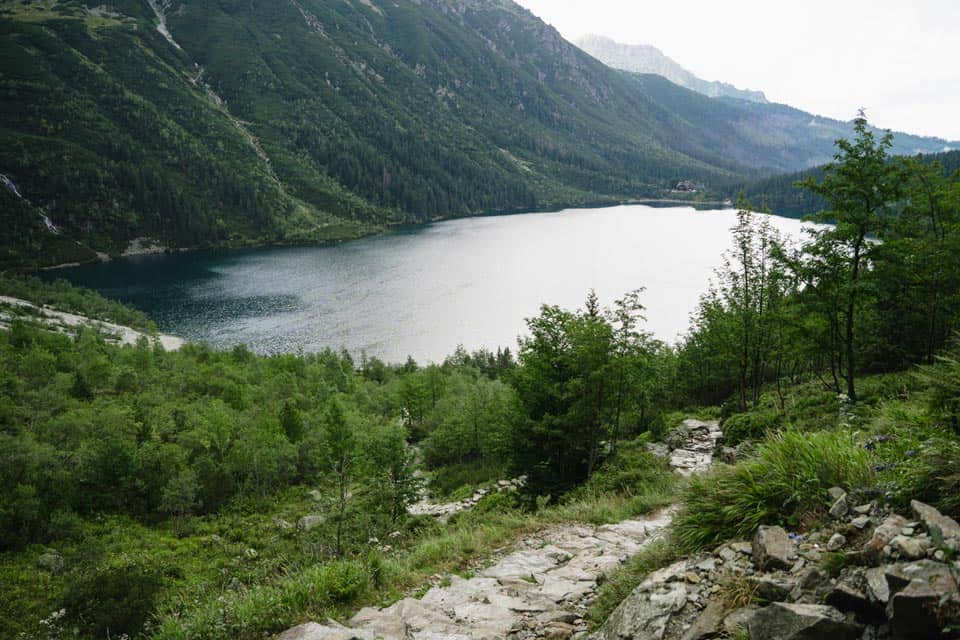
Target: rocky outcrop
690, 446
894, 581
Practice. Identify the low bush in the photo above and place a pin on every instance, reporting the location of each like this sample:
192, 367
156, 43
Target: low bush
931, 474
749, 426
785, 481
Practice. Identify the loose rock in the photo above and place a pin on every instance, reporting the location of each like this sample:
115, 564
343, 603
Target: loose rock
782, 621
773, 549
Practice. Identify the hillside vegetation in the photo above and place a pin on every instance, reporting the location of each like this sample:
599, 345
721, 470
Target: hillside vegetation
310, 121
206, 494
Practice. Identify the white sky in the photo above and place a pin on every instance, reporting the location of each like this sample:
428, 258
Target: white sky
900, 59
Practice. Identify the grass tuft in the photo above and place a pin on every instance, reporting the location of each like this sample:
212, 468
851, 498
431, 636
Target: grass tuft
785, 481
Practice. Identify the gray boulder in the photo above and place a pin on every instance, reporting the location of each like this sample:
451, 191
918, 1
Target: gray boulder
925, 600
782, 621
644, 614
314, 631
773, 549
309, 522
933, 519
708, 623
882, 535
848, 598
840, 507
51, 561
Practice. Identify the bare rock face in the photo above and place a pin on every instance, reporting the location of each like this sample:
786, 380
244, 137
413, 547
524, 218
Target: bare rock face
784, 621
773, 549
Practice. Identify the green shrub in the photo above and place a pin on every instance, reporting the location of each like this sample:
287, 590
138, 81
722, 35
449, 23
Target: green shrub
501, 501
749, 426
112, 601
785, 480
631, 470
932, 474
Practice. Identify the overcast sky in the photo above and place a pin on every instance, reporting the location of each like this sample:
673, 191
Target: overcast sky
900, 59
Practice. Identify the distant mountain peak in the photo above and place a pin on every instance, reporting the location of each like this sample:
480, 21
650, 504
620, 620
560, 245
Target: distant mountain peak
645, 58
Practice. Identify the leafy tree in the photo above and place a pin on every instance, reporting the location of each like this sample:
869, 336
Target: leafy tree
390, 471
917, 268
179, 497
291, 421
860, 186
341, 451
575, 374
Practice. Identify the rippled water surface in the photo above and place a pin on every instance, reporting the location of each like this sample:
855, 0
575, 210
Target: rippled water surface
422, 292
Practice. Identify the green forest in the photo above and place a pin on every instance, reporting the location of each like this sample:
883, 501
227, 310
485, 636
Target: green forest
308, 122
220, 494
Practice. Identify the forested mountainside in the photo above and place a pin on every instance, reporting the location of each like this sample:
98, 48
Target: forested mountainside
645, 58
780, 195
197, 123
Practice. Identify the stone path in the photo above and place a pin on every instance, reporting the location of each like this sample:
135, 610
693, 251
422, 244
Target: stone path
690, 446
443, 510
540, 590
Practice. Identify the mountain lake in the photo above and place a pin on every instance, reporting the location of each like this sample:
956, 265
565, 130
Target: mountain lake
423, 291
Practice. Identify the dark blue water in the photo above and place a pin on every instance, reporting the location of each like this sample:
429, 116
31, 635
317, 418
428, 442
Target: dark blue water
424, 291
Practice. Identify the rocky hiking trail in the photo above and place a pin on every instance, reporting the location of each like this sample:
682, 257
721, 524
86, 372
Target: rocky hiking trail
540, 588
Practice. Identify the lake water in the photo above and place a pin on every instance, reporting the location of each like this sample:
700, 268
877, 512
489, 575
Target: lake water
422, 292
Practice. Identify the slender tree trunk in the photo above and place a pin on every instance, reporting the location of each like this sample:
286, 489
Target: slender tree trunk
850, 317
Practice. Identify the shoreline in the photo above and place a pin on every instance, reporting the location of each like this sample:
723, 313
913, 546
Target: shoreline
156, 249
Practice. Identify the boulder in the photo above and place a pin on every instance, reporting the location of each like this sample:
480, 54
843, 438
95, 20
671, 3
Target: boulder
644, 614
847, 598
876, 583
882, 535
772, 588
836, 542
51, 561
739, 619
309, 522
836, 493
840, 507
911, 547
314, 631
925, 600
773, 549
558, 631
933, 519
782, 621
708, 623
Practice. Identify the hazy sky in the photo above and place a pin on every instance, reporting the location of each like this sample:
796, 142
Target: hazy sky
900, 59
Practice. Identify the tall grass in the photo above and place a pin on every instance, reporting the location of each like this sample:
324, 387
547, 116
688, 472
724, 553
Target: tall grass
785, 481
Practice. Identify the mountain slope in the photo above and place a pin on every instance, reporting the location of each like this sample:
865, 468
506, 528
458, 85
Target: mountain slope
645, 58
212, 122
